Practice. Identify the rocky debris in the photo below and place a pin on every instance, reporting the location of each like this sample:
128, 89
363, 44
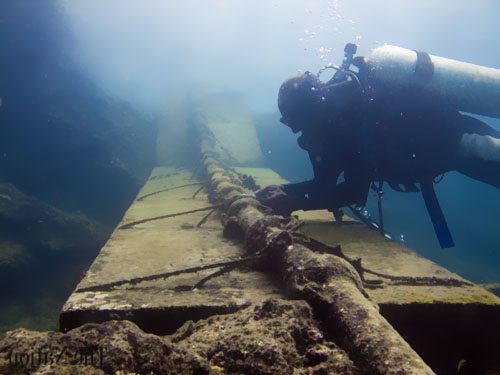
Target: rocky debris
43, 251
27, 220
71, 161
71, 157
275, 337
13, 255
63, 140
94, 348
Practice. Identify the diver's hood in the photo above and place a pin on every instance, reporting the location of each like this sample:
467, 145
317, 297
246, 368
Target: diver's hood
298, 99
304, 100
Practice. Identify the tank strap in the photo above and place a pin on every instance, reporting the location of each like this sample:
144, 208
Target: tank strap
434, 209
424, 68
380, 194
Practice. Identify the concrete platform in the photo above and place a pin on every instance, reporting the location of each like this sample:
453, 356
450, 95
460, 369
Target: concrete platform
384, 256
175, 243
388, 257
159, 246
443, 323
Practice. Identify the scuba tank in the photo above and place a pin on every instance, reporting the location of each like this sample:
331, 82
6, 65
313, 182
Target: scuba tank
467, 87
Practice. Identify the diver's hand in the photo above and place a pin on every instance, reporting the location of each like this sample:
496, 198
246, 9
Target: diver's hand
275, 197
269, 192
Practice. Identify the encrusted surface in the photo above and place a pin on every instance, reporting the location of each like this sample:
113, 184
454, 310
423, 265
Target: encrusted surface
388, 257
275, 337
384, 256
160, 246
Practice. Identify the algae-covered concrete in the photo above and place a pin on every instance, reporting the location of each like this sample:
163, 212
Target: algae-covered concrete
446, 323
159, 246
389, 257
444, 317
230, 121
384, 256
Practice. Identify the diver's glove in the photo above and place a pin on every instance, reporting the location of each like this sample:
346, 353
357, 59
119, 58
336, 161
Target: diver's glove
274, 196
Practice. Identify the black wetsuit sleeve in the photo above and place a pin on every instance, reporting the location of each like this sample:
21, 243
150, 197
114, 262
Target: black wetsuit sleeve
324, 174
311, 195
323, 192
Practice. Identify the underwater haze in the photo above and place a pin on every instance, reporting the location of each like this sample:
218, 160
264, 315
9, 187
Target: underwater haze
85, 83
151, 53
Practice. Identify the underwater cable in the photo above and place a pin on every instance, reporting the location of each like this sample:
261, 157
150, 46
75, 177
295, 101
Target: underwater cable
133, 223
168, 189
164, 275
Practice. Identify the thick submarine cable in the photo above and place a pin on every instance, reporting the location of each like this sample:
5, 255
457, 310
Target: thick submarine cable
327, 282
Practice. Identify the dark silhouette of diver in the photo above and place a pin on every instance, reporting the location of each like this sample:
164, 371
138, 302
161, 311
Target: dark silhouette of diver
405, 137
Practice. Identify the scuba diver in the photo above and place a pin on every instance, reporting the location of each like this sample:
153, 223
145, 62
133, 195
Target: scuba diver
392, 121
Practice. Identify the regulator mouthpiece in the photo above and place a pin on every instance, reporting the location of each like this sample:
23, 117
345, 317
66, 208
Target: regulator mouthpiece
343, 71
350, 50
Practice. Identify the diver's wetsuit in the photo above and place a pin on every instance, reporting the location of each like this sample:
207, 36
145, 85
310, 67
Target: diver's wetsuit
402, 138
